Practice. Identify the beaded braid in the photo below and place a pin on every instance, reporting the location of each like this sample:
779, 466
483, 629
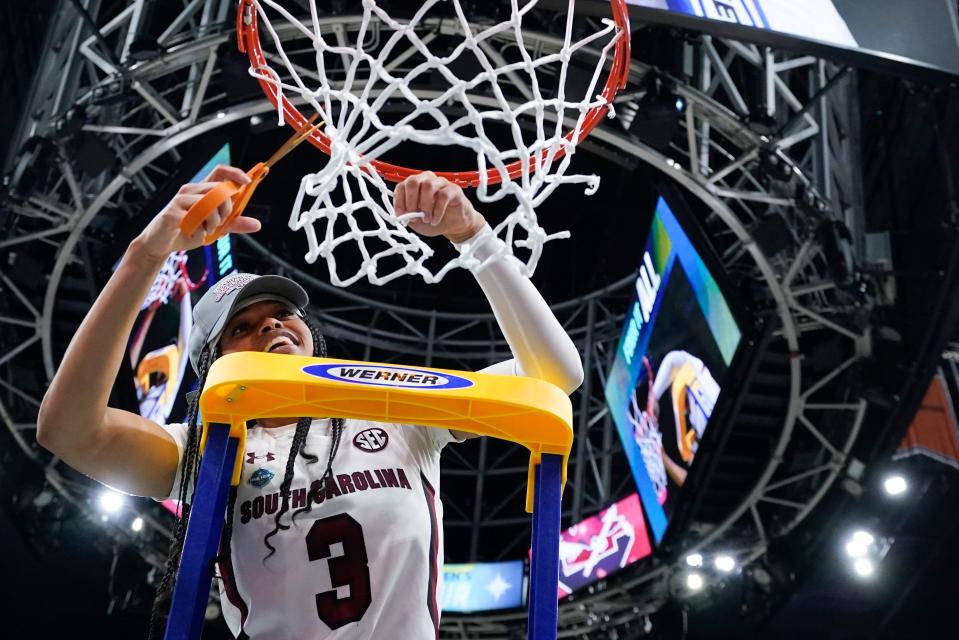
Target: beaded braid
187, 486
296, 448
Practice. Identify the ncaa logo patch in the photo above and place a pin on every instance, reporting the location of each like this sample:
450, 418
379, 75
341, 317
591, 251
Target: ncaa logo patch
261, 478
388, 376
371, 440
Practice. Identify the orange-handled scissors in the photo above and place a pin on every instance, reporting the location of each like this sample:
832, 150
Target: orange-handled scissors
241, 194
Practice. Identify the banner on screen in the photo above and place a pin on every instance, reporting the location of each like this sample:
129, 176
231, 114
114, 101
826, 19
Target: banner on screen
602, 545
486, 586
677, 343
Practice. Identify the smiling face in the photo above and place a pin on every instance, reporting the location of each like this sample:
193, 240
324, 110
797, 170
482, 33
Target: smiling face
267, 326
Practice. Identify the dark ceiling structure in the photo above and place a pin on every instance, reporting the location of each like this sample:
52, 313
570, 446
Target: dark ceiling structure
827, 193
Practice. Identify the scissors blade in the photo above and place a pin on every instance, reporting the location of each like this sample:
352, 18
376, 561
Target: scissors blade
294, 141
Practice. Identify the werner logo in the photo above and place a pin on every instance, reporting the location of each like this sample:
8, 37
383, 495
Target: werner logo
383, 376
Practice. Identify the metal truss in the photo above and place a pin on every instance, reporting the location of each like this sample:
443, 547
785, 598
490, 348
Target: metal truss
758, 145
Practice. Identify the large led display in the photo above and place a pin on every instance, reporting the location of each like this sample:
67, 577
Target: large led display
602, 545
487, 586
920, 33
814, 19
677, 343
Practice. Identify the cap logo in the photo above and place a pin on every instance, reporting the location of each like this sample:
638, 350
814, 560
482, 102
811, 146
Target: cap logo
228, 285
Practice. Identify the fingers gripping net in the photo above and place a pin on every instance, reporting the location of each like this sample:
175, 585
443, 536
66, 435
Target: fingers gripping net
510, 115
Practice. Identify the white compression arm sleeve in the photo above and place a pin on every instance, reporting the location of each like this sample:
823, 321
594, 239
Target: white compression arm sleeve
541, 348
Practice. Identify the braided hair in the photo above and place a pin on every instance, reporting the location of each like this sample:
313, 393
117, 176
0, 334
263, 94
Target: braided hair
190, 472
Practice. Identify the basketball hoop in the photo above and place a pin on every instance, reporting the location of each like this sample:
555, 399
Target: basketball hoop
354, 182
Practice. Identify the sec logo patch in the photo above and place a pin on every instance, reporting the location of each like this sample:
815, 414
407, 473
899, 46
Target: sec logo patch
371, 440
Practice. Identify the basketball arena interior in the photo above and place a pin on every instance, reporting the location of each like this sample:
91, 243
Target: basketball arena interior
777, 202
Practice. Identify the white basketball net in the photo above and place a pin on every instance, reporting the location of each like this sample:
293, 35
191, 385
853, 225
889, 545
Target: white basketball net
347, 201
650, 441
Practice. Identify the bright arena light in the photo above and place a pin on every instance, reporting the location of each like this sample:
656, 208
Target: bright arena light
895, 485
856, 549
725, 563
111, 501
694, 560
694, 581
863, 538
864, 567
137, 524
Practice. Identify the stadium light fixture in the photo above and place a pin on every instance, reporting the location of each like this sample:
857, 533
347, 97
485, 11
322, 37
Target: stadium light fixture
895, 485
855, 549
694, 581
725, 563
137, 524
863, 537
864, 567
694, 560
111, 501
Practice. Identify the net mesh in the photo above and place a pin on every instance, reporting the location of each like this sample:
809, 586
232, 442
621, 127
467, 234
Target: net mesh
350, 79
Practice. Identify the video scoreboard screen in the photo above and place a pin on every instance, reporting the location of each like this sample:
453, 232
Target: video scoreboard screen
483, 586
676, 346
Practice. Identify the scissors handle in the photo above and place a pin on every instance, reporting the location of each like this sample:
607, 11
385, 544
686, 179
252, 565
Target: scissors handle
216, 196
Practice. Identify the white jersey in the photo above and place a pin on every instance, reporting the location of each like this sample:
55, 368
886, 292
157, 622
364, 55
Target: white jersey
366, 562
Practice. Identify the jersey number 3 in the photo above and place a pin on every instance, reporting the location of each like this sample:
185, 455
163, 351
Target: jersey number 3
348, 568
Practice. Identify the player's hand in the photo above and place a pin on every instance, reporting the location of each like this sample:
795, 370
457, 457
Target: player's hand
162, 236
446, 209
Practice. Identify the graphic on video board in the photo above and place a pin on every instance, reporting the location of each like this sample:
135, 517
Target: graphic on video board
813, 19
483, 586
677, 343
602, 545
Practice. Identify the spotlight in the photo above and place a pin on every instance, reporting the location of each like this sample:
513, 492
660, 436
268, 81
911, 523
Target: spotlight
864, 567
694, 560
111, 501
137, 524
863, 537
856, 549
895, 485
694, 581
725, 563
221, 114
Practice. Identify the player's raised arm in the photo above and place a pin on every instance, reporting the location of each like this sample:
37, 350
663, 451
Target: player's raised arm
116, 447
540, 346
